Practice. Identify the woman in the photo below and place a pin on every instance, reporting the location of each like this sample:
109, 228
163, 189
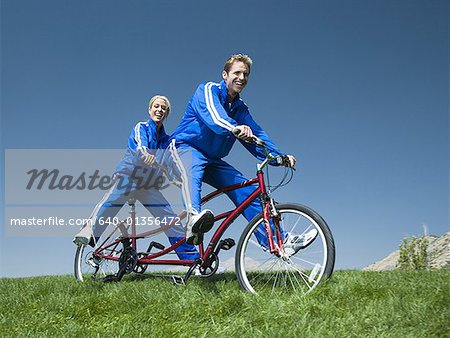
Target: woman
133, 170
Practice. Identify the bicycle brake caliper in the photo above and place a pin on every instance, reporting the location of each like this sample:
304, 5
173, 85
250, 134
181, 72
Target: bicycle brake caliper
273, 210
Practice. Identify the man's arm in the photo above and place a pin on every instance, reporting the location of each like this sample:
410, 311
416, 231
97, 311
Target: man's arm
207, 104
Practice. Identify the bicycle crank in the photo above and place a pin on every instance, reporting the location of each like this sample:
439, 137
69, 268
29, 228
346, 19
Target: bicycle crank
127, 262
209, 267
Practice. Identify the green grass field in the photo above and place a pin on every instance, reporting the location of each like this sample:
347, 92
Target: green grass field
351, 304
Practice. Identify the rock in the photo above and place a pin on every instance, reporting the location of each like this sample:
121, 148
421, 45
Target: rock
438, 255
439, 252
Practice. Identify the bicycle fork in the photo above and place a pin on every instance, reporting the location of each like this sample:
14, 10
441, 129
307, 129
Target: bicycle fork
271, 213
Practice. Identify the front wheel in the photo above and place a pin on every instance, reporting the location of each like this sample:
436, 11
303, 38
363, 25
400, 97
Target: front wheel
259, 271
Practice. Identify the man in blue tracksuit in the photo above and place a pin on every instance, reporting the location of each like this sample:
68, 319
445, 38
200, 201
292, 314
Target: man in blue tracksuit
136, 177
214, 115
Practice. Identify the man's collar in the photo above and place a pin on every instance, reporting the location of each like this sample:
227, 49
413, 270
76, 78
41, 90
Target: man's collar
224, 93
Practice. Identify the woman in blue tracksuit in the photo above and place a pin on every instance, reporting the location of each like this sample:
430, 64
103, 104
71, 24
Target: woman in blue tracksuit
214, 115
134, 169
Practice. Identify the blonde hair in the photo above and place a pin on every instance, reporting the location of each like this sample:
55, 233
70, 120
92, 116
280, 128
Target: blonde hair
237, 58
150, 103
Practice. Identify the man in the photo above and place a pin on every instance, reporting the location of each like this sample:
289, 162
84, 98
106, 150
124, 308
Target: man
214, 118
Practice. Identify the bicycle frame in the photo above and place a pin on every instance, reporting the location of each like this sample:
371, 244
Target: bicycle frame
228, 218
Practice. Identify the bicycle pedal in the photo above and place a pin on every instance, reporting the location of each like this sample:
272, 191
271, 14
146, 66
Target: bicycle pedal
94, 262
156, 245
178, 280
110, 279
227, 243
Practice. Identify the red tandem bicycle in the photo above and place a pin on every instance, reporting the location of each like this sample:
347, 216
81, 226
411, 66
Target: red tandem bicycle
259, 269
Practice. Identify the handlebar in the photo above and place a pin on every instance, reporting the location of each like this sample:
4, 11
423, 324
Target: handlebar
254, 140
281, 159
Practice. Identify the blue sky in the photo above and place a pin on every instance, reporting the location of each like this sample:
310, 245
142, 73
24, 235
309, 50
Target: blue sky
358, 91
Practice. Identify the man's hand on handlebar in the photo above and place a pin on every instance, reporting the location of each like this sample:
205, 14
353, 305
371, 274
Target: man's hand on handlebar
292, 160
244, 133
288, 161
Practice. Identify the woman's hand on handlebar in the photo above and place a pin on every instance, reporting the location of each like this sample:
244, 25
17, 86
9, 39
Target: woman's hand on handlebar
148, 159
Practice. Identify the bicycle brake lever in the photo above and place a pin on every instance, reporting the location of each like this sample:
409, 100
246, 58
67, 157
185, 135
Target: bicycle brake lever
284, 161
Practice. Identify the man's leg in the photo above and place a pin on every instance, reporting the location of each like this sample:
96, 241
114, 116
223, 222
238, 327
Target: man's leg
192, 164
220, 174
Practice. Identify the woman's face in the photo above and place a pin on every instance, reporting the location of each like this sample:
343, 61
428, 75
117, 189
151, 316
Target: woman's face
158, 111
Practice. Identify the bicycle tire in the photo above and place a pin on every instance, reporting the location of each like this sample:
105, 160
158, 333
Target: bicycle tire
84, 268
258, 271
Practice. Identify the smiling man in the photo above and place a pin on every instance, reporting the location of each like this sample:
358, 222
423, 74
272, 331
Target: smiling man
215, 117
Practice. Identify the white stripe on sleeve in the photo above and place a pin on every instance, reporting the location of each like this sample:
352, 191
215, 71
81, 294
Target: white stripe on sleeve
212, 109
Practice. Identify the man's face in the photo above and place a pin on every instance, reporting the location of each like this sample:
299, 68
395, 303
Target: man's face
158, 111
236, 79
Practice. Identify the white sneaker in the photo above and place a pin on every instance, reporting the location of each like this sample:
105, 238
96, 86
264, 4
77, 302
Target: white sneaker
84, 236
294, 243
198, 225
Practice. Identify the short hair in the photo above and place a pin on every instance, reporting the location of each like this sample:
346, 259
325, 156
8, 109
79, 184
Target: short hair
237, 58
150, 103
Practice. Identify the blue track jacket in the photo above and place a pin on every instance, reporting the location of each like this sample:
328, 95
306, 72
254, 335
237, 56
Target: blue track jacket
143, 138
209, 120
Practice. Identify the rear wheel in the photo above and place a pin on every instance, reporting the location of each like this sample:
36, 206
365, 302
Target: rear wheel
90, 265
259, 271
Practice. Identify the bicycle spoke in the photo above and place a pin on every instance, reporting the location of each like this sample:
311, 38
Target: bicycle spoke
295, 225
289, 272
275, 280
303, 260
296, 279
307, 229
265, 275
278, 272
303, 275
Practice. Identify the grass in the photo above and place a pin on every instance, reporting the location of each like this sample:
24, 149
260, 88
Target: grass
351, 304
